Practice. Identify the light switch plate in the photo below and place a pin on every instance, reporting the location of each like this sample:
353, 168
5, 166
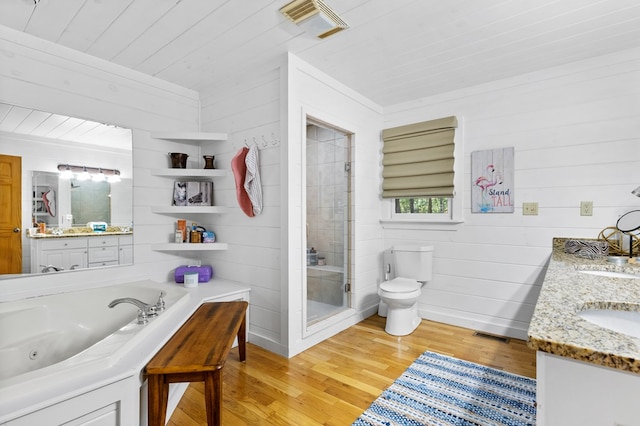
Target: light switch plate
530, 209
586, 208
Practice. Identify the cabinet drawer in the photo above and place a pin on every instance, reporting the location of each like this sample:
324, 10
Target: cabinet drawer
63, 243
105, 263
125, 240
103, 254
103, 241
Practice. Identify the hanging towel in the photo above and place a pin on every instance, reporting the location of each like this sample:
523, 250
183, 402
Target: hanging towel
49, 199
239, 169
252, 180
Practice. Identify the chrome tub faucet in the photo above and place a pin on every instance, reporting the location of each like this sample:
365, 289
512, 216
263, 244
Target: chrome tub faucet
145, 310
49, 268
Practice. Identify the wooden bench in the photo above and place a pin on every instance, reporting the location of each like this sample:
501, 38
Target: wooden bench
196, 353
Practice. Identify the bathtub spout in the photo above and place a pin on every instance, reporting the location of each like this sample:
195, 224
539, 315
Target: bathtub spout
139, 303
145, 311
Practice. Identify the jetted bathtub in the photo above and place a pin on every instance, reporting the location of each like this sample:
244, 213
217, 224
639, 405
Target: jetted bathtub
50, 338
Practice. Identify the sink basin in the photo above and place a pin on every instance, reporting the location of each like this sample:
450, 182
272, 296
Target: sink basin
612, 274
626, 322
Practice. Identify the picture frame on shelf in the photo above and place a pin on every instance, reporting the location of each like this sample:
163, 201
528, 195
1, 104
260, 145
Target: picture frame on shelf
192, 193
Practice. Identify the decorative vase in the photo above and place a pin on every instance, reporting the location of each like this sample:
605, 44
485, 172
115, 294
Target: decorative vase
208, 161
178, 160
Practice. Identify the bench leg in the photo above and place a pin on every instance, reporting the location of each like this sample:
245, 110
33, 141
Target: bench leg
158, 396
213, 397
242, 339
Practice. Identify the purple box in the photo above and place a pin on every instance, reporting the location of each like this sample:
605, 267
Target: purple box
205, 273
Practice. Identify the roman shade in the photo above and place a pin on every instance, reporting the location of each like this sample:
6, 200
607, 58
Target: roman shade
418, 159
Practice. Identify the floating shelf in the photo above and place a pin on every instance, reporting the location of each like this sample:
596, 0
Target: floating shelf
189, 246
188, 209
186, 173
193, 137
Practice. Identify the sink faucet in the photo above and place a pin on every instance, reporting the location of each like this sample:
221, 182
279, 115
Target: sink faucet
145, 310
49, 268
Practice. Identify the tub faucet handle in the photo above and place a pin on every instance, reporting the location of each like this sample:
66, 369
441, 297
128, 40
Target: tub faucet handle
160, 305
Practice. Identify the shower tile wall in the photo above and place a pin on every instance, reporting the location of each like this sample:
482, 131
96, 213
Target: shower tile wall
326, 209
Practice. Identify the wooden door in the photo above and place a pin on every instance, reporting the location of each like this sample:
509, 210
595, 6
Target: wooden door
10, 214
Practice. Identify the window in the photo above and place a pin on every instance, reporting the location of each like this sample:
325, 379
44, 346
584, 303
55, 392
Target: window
421, 170
428, 205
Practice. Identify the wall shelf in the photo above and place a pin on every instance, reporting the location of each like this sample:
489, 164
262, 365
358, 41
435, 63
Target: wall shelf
187, 173
196, 138
190, 137
189, 246
188, 209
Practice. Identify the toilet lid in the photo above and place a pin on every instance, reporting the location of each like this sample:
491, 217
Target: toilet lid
400, 285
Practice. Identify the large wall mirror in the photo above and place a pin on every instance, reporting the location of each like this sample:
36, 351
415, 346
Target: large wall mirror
47, 144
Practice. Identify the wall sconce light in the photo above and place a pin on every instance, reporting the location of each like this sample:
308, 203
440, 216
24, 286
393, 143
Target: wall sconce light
314, 17
66, 173
84, 175
96, 174
115, 177
99, 177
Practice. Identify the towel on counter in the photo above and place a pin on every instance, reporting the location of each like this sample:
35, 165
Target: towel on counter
239, 168
252, 180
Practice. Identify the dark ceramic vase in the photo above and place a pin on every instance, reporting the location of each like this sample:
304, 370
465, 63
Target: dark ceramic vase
208, 161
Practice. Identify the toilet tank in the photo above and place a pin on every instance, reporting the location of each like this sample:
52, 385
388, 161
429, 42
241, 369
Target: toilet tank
414, 262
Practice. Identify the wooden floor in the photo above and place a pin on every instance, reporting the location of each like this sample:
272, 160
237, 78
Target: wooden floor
333, 382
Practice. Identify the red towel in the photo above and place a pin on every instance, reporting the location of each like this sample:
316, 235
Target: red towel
239, 168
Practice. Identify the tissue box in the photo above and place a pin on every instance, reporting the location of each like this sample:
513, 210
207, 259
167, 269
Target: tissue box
205, 273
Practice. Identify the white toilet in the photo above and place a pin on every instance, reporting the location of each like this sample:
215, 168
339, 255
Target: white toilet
399, 296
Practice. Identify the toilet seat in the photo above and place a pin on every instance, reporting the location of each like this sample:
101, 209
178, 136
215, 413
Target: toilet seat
400, 285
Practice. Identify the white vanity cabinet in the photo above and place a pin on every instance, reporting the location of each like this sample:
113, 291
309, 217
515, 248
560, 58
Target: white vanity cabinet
66, 253
572, 392
80, 252
125, 249
199, 139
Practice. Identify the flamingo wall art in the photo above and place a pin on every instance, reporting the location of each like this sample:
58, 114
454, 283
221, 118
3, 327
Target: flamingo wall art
492, 181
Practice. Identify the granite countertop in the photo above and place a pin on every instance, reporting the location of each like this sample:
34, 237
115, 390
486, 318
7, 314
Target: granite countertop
556, 327
82, 232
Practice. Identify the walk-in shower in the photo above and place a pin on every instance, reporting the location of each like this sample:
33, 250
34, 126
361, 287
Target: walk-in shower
328, 182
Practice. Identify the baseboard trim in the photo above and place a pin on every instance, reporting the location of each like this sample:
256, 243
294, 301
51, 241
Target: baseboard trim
479, 324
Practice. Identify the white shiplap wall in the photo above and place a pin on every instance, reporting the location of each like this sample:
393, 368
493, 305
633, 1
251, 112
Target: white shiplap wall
248, 109
41, 75
265, 251
576, 131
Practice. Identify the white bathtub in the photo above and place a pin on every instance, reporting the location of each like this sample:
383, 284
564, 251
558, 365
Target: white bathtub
74, 327
96, 354
77, 326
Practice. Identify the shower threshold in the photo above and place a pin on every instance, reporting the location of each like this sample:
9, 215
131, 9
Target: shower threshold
318, 311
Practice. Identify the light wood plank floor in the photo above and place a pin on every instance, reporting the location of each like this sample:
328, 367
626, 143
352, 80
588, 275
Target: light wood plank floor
333, 382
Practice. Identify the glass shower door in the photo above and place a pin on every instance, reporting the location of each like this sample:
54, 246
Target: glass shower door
328, 195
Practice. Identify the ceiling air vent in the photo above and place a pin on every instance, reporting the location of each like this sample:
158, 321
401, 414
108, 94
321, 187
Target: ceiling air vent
315, 17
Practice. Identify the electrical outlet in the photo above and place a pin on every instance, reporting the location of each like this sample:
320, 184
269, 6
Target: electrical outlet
586, 208
530, 209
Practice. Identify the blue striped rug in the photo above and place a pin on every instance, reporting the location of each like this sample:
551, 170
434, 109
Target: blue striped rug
441, 390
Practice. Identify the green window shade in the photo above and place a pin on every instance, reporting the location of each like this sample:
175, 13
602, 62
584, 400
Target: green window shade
418, 159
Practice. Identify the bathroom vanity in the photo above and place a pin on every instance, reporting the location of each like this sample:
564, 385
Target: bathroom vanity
81, 250
586, 373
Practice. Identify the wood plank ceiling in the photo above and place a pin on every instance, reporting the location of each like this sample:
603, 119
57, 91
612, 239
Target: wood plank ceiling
395, 51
